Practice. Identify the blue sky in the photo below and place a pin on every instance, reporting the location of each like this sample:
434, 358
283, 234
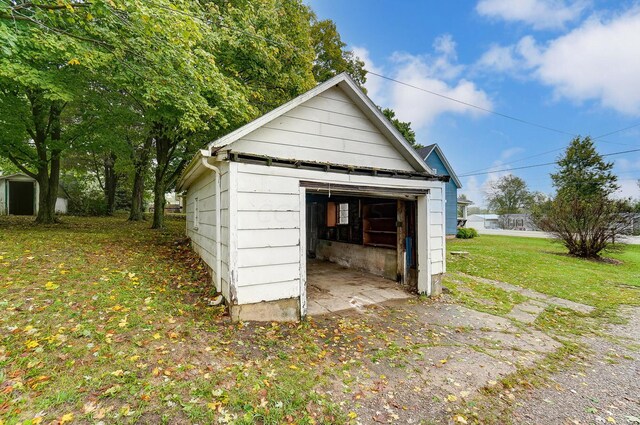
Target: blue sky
571, 65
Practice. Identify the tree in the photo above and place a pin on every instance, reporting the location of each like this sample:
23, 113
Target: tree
331, 58
583, 214
403, 127
508, 195
40, 77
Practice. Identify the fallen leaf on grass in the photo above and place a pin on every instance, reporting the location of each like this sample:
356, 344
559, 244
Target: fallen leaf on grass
66, 418
460, 419
50, 286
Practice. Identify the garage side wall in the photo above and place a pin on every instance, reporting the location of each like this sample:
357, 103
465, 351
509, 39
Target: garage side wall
203, 232
436, 229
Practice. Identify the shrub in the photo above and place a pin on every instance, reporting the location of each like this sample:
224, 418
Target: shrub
466, 233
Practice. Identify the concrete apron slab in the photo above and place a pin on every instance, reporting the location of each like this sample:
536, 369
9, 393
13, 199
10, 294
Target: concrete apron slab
332, 288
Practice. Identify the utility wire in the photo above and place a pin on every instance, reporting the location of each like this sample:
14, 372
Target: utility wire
618, 131
471, 105
541, 165
510, 117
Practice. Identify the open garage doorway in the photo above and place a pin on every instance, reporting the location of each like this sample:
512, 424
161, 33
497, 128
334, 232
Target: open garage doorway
360, 250
21, 198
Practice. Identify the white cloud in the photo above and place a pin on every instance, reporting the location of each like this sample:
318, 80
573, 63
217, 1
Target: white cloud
540, 14
628, 189
438, 72
374, 85
511, 59
599, 60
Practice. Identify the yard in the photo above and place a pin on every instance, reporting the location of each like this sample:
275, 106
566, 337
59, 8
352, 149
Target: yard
105, 320
542, 266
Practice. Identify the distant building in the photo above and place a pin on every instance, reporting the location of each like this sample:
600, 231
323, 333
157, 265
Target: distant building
463, 206
483, 221
19, 195
517, 222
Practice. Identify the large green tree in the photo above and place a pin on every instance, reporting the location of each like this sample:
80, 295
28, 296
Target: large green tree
40, 77
508, 195
331, 55
584, 215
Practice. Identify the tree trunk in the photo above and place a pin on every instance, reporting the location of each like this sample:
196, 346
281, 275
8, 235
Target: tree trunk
170, 161
159, 202
141, 163
110, 182
46, 118
163, 156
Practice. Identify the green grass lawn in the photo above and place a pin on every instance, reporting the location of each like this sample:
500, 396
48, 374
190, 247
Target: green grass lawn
106, 320
542, 265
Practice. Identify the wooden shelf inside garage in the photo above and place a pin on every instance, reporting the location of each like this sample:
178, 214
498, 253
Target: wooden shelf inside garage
379, 224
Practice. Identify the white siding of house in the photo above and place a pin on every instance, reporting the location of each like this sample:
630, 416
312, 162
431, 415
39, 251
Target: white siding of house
267, 224
62, 205
3, 201
327, 128
203, 236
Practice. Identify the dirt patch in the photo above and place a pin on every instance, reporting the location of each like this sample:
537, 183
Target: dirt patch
604, 260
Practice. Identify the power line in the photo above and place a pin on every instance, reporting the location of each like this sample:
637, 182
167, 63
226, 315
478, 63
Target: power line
471, 105
539, 165
511, 117
618, 131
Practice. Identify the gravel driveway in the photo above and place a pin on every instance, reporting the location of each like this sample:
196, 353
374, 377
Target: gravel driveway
602, 389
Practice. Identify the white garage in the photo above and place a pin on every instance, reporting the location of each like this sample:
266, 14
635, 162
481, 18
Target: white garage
325, 178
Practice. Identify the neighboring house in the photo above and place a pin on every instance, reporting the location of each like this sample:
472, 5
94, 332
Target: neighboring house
324, 176
436, 160
517, 222
483, 221
463, 206
173, 203
19, 195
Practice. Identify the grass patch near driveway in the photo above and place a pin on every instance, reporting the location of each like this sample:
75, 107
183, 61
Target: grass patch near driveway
483, 296
541, 265
107, 320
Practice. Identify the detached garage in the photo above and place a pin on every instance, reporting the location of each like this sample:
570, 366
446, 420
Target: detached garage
320, 192
19, 196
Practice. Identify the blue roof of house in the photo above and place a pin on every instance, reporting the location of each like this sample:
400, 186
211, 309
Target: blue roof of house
426, 151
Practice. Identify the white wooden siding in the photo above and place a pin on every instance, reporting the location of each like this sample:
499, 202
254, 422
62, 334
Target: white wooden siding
2, 198
436, 229
326, 128
268, 226
203, 238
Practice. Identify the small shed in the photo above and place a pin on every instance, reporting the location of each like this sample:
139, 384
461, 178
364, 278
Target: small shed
483, 221
324, 178
435, 159
19, 195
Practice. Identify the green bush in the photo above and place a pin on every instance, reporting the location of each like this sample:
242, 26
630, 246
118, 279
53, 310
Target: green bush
466, 233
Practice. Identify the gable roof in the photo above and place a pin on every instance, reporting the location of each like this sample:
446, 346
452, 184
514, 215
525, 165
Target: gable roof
426, 151
361, 100
485, 216
9, 176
